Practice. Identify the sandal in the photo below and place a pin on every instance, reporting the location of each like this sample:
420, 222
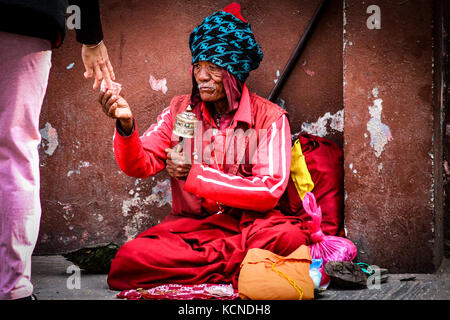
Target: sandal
346, 274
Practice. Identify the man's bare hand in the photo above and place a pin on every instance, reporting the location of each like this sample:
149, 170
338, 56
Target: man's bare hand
116, 107
97, 64
177, 165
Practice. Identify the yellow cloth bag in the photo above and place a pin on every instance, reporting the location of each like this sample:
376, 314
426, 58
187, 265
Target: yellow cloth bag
299, 171
267, 276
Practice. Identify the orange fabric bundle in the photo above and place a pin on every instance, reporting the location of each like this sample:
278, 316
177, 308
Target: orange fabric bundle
267, 276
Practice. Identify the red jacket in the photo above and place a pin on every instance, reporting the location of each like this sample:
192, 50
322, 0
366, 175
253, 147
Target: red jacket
254, 183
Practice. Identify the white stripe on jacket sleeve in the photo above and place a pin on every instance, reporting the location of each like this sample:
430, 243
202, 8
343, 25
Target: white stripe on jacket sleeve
267, 183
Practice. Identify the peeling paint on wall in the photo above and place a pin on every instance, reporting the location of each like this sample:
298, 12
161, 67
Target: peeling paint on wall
380, 133
351, 168
446, 168
128, 204
347, 42
319, 128
278, 76
307, 71
49, 134
158, 85
67, 212
161, 195
380, 167
133, 228
83, 164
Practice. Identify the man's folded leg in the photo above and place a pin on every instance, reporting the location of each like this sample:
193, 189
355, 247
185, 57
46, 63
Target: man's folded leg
200, 251
147, 262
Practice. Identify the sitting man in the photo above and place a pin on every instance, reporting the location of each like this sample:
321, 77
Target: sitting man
224, 193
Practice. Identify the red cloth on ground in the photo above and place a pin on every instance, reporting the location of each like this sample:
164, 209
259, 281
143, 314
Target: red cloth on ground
192, 251
173, 291
325, 162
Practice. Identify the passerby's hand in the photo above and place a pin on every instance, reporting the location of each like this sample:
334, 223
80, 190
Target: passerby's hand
97, 64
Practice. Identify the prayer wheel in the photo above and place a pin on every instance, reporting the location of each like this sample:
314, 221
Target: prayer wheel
184, 126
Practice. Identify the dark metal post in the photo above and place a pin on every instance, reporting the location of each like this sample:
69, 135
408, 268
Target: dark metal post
296, 53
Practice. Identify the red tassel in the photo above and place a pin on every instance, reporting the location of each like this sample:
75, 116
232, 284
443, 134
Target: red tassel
235, 9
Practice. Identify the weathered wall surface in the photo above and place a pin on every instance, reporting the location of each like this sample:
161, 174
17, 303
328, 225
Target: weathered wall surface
445, 96
86, 199
390, 137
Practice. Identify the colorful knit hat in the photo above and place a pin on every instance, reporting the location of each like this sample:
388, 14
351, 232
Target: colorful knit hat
226, 39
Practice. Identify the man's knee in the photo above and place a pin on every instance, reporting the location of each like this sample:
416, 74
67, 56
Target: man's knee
281, 239
128, 261
131, 251
289, 238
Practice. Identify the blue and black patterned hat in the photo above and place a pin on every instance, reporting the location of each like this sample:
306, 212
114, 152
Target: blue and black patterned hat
226, 39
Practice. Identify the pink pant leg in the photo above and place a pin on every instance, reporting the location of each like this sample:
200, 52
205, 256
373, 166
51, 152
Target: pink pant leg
25, 65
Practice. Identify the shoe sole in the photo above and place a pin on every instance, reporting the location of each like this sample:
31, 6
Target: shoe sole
346, 274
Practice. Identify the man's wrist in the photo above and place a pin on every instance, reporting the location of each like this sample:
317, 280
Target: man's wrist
125, 126
92, 46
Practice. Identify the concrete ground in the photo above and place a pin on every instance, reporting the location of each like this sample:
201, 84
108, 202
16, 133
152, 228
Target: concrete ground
55, 279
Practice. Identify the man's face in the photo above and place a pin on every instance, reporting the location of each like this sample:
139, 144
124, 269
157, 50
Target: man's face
209, 80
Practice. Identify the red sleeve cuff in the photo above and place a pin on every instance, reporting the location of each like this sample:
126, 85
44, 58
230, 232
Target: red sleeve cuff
191, 183
120, 131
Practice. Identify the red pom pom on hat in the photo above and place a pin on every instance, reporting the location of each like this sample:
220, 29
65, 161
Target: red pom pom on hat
235, 9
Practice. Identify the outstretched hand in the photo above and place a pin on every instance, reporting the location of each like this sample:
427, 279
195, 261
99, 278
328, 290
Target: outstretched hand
116, 107
97, 64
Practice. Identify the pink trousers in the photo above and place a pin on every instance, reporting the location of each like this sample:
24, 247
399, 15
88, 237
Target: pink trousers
25, 64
